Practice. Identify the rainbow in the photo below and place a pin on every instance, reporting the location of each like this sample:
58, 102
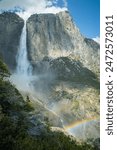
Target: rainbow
80, 122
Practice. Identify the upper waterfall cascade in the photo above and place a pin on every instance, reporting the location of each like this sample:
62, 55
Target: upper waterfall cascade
22, 77
23, 65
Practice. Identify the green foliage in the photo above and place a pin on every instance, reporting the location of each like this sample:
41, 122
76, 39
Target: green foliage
10, 99
14, 125
3, 70
28, 107
14, 137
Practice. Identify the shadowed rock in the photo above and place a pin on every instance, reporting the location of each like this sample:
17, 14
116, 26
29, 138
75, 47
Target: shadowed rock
10, 31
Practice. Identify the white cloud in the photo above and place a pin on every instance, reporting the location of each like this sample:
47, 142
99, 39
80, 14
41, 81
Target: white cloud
33, 6
97, 39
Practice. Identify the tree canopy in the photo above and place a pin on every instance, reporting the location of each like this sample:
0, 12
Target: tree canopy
4, 72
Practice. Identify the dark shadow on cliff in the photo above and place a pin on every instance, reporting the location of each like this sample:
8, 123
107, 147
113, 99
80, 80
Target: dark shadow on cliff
67, 69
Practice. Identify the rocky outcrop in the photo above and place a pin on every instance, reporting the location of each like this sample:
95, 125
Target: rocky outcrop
71, 91
10, 31
56, 35
71, 70
67, 69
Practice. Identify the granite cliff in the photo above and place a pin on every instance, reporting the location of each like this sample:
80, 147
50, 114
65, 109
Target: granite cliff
10, 31
52, 35
65, 69
56, 35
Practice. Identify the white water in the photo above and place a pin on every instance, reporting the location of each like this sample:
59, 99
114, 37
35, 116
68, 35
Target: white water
23, 74
23, 65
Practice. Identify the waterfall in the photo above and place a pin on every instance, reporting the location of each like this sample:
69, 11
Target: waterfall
23, 65
23, 74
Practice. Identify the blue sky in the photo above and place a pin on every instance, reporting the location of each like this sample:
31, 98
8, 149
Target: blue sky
86, 14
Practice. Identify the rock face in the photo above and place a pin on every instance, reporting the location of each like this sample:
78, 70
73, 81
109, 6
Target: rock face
10, 31
65, 66
67, 69
65, 63
55, 35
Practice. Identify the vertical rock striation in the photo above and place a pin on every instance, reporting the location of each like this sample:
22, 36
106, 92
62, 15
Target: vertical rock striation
10, 31
56, 35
